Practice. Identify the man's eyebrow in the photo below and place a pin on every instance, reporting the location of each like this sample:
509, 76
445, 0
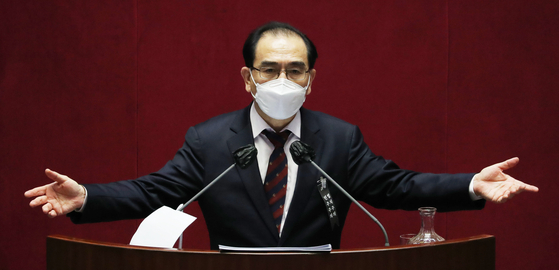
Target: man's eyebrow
297, 63
273, 63
269, 63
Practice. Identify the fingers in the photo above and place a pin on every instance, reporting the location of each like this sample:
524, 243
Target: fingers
516, 188
38, 191
59, 178
47, 207
49, 210
507, 196
531, 188
38, 201
520, 186
507, 164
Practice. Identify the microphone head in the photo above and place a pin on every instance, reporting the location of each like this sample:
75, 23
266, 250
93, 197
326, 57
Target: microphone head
245, 155
301, 152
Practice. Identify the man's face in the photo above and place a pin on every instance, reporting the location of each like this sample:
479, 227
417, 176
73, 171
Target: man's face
278, 51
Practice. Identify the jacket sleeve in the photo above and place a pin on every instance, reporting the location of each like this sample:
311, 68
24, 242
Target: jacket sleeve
178, 181
382, 184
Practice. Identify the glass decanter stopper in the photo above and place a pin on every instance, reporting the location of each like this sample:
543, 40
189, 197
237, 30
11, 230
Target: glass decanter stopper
427, 232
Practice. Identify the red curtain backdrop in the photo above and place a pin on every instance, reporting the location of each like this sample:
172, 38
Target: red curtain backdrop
105, 90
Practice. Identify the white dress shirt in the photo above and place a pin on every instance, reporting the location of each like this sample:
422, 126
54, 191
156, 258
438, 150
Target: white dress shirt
265, 149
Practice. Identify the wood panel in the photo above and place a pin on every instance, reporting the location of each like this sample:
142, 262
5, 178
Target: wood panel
476, 252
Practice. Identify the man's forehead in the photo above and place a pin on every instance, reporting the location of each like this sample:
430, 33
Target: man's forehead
273, 47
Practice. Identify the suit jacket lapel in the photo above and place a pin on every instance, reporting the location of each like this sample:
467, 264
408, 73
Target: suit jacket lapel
307, 174
251, 175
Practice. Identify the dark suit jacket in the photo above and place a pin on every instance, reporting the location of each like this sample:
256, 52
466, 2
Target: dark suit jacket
235, 208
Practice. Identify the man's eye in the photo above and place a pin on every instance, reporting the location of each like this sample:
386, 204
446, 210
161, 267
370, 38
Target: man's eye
269, 70
295, 71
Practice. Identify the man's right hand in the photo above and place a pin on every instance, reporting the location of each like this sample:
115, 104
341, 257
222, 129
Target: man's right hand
58, 198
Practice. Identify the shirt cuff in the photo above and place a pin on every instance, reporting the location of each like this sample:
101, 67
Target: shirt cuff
85, 200
473, 195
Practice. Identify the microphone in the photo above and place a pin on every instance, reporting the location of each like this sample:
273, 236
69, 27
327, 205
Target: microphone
303, 153
244, 156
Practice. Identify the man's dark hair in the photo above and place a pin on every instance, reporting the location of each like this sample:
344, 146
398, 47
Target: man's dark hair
249, 49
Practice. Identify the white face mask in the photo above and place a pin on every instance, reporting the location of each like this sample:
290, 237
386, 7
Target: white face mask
280, 98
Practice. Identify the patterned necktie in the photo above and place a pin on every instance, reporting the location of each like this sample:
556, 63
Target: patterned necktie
276, 177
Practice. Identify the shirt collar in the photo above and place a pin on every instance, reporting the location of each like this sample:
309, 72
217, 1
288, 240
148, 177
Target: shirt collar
258, 124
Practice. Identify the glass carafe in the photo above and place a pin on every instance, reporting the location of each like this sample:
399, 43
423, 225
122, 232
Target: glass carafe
427, 232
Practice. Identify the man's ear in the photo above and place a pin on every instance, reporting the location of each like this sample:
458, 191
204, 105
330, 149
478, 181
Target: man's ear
312, 74
245, 72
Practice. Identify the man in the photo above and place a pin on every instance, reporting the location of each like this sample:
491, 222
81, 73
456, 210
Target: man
275, 202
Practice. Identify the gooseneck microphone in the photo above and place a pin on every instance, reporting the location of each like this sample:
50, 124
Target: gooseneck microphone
244, 156
302, 153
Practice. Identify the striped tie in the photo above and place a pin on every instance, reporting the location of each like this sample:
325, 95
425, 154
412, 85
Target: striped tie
276, 177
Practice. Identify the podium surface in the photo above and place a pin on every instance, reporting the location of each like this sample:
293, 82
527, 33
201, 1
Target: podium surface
477, 252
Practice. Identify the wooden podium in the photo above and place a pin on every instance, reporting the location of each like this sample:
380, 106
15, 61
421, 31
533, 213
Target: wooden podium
476, 252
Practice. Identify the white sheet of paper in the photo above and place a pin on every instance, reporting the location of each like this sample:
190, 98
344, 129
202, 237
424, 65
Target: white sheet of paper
161, 228
322, 248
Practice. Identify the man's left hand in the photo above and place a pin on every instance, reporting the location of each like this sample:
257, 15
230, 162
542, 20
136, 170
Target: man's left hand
494, 185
